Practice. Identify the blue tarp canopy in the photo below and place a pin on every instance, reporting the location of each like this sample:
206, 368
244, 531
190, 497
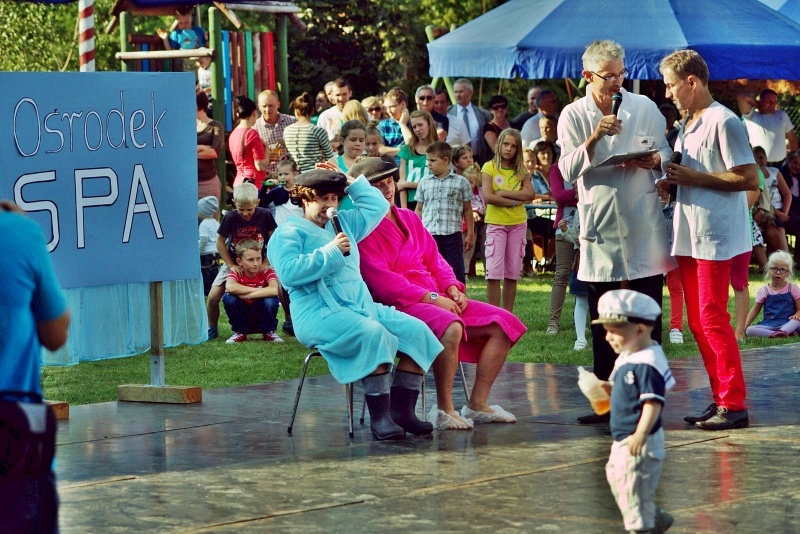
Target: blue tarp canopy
790, 8
538, 39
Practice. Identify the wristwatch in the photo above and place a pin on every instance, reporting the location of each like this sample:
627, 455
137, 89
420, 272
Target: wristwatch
434, 296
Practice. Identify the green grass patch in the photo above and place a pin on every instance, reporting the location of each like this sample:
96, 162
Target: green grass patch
215, 364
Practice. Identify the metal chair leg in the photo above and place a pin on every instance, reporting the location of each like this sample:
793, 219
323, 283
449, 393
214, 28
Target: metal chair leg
349, 391
424, 411
463, 380
300, 388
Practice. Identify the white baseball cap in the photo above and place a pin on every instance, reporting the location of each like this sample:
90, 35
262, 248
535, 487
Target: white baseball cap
624, 305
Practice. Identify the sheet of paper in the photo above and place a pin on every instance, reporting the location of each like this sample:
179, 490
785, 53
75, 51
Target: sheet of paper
622, 158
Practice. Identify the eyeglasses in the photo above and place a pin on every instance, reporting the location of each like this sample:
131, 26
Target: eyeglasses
426, 97
376, 109
779, 270
613, 77
499, 106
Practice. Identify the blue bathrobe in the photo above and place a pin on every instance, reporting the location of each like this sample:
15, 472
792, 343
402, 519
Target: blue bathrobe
332, 309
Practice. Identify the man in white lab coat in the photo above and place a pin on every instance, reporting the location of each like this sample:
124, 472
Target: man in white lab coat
623, 234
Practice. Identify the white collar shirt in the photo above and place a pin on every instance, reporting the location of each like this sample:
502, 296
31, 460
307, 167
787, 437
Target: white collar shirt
473, 123
710, 224
623, 233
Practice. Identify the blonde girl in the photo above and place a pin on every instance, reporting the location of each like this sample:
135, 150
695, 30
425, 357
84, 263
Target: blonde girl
506, 185
413, 161
779, 298
354, 111
374, 108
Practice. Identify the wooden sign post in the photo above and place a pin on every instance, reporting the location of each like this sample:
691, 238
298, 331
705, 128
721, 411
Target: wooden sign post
157, 390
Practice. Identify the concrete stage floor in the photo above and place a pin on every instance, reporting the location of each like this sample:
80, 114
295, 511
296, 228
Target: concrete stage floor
227, 465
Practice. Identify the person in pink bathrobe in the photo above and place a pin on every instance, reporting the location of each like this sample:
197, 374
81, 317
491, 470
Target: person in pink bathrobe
402, 268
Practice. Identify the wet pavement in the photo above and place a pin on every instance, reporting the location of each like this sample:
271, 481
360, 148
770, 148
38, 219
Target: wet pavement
228, 465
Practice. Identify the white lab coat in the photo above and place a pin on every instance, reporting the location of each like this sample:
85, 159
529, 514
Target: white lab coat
623, 232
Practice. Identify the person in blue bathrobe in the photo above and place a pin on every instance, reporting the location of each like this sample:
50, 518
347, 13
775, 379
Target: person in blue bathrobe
332, 309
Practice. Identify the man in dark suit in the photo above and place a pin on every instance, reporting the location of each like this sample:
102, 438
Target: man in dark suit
474, 118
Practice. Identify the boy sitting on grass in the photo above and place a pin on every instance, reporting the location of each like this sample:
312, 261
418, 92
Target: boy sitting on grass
251, 296
444, 199
248, 221
638, 385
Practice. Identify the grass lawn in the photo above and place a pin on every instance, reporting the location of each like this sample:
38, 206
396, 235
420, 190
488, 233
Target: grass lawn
215, 364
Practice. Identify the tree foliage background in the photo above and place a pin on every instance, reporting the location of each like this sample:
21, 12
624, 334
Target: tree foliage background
376, 44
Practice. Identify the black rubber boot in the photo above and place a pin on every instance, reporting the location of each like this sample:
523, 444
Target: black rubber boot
380, 421
403, 403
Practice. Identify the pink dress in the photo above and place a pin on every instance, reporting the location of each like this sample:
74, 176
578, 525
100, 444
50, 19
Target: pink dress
401, 264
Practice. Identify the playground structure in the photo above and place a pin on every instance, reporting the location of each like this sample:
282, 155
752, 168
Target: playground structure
242, 62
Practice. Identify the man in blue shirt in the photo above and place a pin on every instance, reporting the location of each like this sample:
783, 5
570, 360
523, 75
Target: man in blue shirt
33, 313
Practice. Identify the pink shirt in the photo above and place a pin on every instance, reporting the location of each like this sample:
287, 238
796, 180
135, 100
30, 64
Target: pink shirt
761, 295
246, 160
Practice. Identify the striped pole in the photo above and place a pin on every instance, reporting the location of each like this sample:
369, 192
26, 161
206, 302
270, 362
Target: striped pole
86, 28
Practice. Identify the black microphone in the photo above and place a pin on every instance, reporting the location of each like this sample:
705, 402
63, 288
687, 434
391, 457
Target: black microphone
333, 215
673, 189
616, 102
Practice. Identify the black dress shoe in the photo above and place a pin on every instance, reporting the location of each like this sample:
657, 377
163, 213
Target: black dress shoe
593, 418
725, 420
707, 414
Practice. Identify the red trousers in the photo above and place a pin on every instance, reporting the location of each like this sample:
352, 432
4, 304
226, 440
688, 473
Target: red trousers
675, 299
705, 289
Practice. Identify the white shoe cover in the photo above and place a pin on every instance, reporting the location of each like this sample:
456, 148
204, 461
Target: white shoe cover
441, 420
499, 415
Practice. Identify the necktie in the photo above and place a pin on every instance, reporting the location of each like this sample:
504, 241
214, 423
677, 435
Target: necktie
466, 120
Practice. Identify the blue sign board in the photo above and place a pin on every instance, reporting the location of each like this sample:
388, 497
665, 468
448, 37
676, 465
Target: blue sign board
106, 163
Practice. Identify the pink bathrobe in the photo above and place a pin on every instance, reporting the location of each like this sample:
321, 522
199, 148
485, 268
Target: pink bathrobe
400, 266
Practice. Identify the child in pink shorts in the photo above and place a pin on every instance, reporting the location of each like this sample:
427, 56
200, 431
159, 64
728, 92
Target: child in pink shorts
506, 186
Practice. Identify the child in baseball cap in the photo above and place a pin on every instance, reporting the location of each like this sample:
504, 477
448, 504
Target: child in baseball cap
638, 386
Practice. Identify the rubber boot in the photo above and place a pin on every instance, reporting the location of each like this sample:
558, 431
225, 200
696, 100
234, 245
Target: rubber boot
380, 420
403, 402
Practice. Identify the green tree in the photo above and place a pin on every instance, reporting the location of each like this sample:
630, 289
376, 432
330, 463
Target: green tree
38, 37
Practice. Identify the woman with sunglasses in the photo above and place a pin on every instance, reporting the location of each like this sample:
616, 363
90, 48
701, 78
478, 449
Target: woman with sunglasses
374, 108
498, 106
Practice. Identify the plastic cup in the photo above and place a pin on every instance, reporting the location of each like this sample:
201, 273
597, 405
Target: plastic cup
592, 388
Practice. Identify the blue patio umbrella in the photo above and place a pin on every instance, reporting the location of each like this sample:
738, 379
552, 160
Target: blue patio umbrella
538, 39
790, 8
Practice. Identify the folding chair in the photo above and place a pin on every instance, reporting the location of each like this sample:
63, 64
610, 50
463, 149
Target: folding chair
348, 388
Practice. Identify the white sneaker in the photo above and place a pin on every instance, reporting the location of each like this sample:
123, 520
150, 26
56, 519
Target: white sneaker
676, 336
580, 344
